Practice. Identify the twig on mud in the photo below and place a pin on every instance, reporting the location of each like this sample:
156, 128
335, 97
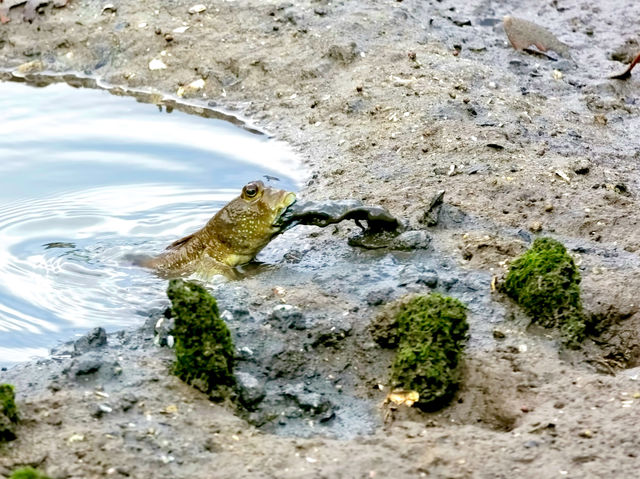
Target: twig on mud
627, 73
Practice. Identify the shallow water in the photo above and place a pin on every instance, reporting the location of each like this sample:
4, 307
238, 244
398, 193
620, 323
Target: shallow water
88, 177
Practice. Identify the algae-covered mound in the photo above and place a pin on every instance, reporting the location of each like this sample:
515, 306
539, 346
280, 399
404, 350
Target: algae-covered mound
204, 351
545, 281
431, 333
8, 413
27, 473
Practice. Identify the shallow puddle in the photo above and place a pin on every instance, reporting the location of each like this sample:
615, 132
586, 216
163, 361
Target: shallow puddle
88, 177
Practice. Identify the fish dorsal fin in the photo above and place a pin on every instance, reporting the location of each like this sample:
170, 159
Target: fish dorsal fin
182, 241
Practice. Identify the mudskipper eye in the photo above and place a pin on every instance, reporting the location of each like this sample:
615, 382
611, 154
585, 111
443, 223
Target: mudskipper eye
251, 190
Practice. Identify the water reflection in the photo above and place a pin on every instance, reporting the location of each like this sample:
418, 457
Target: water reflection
87, 178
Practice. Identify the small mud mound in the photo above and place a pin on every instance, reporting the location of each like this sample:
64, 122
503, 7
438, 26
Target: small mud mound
614, 322
493, 394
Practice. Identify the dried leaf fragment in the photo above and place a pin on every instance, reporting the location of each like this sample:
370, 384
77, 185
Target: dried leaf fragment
401, 397
524, 34
563, 175
170, 409
199, 8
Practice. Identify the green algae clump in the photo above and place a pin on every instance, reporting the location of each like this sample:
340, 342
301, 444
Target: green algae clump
545, 281
431, 335
27, 473
8, 413
204, 350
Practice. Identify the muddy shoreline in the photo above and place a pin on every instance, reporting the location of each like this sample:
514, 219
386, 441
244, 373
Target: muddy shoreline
388, 103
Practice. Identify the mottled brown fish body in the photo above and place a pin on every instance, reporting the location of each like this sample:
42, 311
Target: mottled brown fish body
234, 236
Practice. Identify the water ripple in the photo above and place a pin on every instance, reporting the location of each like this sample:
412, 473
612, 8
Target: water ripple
94, 186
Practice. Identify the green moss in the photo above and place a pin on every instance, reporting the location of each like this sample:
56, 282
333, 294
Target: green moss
432, 332
545, 281
8, 413
27, 473
204, 351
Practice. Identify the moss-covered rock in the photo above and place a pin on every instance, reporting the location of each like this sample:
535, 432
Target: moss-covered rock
431, 335
8, 413
27, 473
545, 281
204, 350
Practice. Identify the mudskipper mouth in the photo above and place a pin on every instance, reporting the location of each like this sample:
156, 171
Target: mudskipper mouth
289, 200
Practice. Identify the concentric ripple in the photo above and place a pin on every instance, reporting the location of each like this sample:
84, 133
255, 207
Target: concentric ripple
88, 178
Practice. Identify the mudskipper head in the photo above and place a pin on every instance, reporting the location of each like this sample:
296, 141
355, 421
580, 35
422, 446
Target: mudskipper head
248, 222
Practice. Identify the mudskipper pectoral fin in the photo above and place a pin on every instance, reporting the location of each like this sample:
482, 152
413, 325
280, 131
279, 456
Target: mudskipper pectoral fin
207, 267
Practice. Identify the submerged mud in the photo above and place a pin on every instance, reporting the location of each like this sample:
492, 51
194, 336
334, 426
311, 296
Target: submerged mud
388, 103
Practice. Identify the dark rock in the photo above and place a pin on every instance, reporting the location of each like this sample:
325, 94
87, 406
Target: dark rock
332, 336
250, 390
525, 235
581, 167
54, 386
461, 22
212, 445
327, 416
379, 296
99, 410
428, 278
431, 216
127, 401
312, 402
344, 54
497, 334
287, 317
94, 339
7, 429
356, 105
622, 189
411, 240
294, 256
489, 22
448, 282
241, 314
495, 146
88, 364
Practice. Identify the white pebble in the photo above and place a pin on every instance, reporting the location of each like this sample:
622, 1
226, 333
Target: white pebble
156, 64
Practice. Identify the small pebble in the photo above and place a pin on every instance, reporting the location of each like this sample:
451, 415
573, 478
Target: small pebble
199, 8
157, 64
535, 226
